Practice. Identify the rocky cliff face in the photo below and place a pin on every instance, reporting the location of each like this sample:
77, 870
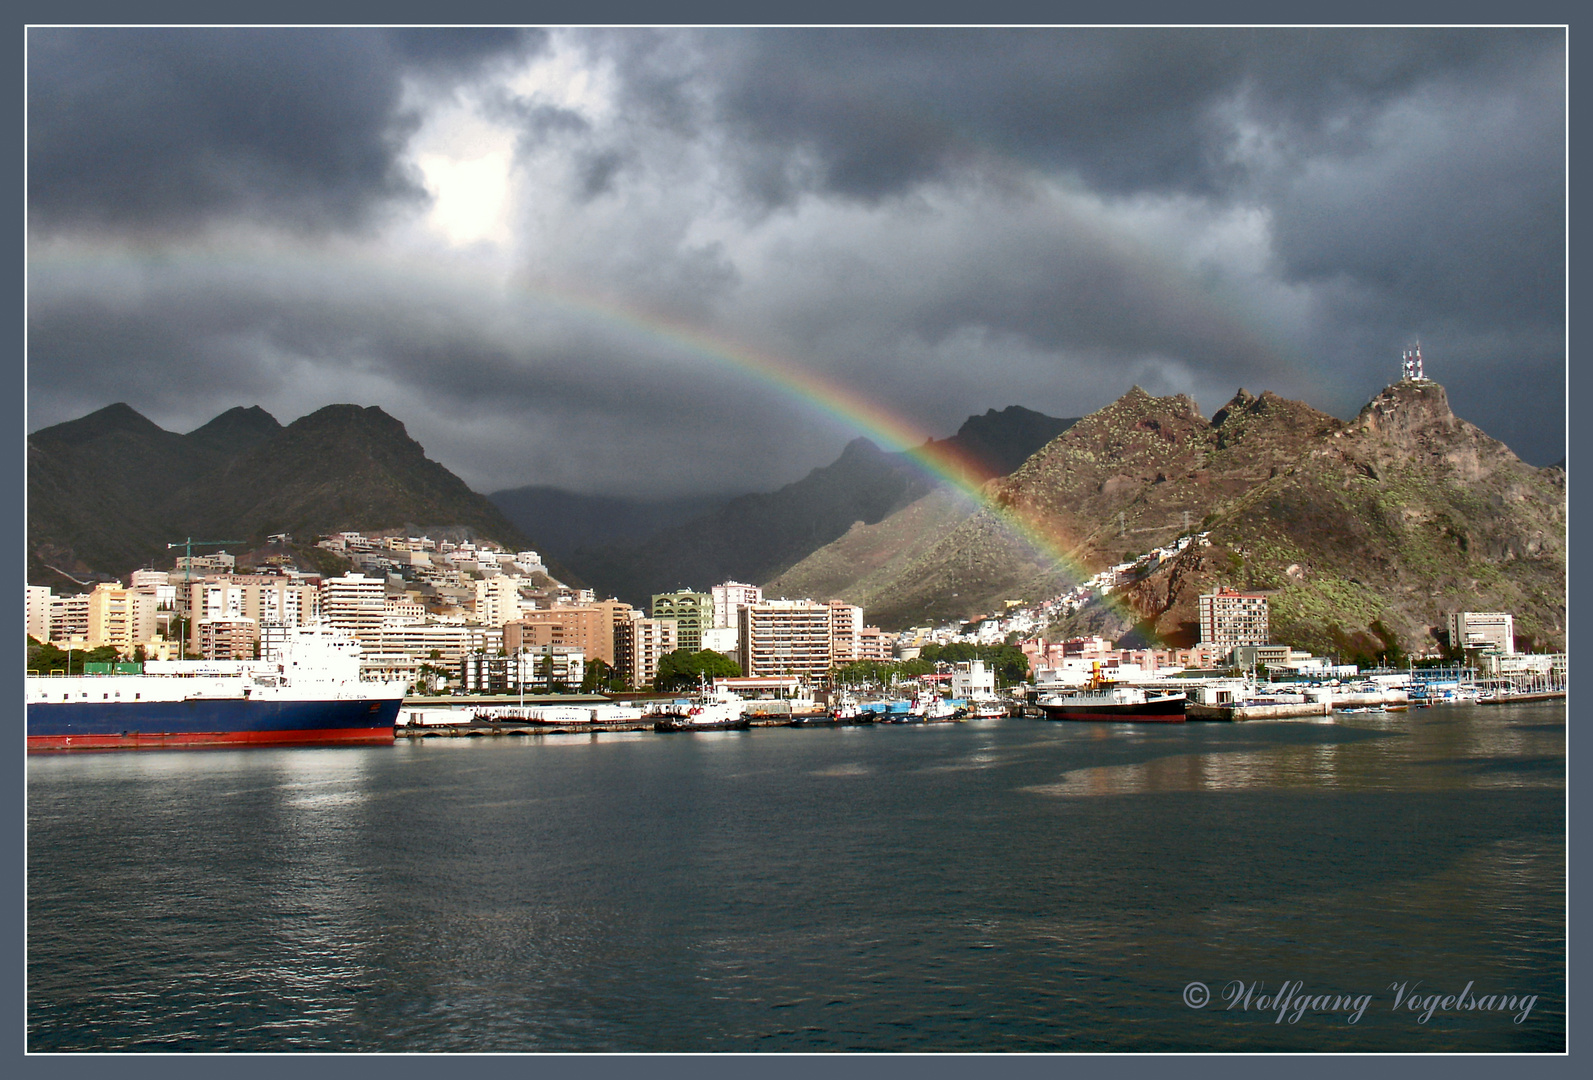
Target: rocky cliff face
1365, 532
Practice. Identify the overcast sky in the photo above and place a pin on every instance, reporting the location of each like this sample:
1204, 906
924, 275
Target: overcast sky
537, 249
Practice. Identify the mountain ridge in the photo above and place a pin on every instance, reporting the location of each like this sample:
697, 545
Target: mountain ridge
108, 491
1358, 528
757, 536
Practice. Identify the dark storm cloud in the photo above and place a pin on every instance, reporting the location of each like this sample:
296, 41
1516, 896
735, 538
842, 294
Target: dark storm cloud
461, 53
940, 221
556, 401
1421, 170
168, 129
1454, 203
1127, 110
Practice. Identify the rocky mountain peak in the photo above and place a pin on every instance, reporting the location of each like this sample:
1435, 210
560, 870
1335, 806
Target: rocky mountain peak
860, 448
113, 419
235, 430
1241, 401
1408, 409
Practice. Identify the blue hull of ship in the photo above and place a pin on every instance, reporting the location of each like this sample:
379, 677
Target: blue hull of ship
71, 725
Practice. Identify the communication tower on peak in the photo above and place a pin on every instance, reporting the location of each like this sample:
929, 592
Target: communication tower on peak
1412, 363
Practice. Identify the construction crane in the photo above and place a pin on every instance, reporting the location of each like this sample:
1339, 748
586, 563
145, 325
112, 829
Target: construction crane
188, 546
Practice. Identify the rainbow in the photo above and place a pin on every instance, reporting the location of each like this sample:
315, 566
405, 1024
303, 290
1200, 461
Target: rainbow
814, 391
835, 400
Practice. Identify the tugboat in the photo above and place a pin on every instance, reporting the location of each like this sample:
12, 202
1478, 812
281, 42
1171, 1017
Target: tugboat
846, 710
1102, 699
934, 709
705, 712
986, 709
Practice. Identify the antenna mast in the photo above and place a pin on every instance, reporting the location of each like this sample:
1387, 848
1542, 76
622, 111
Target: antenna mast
1411, 361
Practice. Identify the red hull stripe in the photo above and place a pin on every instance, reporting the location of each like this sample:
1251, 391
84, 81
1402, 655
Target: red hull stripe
155, 741
1118, 717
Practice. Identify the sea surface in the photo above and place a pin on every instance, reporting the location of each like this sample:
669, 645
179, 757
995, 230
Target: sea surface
1004, 886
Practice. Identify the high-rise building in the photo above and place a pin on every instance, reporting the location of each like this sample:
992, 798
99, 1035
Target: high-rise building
226, 638
785, 637
728, 598
693, 613
354, 604
639, 644
69, 617
497, 600
39, 612
108, 621
846, 632
588, 627
1482, 630
1229, 618
264, 599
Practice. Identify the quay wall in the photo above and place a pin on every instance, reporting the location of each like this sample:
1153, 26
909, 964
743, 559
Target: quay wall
1195, 711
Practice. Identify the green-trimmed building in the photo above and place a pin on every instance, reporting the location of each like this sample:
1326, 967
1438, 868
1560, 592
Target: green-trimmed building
693, 613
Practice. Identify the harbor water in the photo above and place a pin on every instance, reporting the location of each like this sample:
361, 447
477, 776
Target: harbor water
1006, 886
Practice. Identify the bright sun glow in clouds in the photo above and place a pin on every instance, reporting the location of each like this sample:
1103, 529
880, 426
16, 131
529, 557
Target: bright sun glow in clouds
471, 196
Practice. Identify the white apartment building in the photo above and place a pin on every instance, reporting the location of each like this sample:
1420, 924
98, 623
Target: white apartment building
497, 600
721, 640
354, 604
39, 612
972, 679
451, 641
542, 666
729, 598
69, 617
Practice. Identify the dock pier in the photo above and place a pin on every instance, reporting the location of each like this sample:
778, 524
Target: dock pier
1193, 710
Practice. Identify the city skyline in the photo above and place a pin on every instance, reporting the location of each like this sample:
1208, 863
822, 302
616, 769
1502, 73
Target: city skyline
540, 248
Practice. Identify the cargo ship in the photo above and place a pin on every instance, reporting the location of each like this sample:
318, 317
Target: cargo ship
309, 691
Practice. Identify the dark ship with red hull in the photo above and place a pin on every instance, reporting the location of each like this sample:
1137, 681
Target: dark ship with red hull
1101, 699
